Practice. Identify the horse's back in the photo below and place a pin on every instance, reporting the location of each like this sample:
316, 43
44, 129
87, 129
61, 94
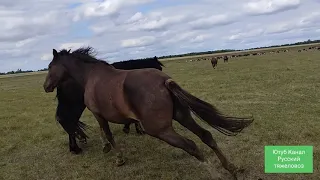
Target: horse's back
148, 97
147, 75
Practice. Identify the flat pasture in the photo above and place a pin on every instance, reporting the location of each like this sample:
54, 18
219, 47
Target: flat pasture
266, 50
280, 90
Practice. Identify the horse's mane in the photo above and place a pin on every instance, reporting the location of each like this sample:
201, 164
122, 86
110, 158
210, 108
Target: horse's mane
84, 54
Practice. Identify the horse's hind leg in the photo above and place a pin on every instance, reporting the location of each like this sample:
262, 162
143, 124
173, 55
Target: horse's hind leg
184, 117
139, 130
176, 140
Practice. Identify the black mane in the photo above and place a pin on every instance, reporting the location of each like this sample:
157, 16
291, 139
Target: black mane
85, 54
89, 51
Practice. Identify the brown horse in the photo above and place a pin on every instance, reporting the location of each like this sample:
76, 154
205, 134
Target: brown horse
225, 59
71, 103
214, 62
147, 96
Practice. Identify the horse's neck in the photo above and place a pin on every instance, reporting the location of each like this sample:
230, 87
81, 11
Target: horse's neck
80, 73
84, 72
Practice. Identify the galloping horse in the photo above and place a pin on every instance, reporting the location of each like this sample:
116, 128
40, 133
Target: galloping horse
71, 103
214, 62
146, 96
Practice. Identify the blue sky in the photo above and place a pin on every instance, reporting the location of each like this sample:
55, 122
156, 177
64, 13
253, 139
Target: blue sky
121, 30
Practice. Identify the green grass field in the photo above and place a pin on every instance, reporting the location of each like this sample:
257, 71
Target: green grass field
280, 90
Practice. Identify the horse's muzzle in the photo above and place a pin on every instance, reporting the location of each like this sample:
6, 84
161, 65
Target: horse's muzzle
48, 88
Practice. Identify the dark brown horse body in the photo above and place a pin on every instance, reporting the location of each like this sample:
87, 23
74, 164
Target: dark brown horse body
147, 96
214, 62
70, 95
225, 59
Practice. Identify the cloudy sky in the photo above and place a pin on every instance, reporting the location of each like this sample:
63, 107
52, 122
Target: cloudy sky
125, 29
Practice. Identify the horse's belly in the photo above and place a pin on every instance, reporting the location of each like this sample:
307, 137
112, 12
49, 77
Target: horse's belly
118, 118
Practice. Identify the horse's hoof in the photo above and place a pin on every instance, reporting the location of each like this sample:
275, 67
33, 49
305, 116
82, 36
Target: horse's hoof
120, 162
76, 151
83, 141
140, 132
240, 170
237, 172
106, 148
125, 130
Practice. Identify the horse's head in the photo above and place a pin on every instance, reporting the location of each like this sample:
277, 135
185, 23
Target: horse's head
65, 65
56, 71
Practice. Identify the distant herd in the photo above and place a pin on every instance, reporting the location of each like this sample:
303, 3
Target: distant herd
214, 59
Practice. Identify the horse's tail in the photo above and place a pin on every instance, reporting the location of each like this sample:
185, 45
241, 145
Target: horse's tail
229, 126
160, 63
157, 60
80, 130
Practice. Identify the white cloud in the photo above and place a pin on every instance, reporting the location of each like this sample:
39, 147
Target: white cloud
25, 42
138, 42
72, 45
211, 21
258, 7
200, 38
20, 25
136, 17
154, 22
105, 8
46, 57
247, 34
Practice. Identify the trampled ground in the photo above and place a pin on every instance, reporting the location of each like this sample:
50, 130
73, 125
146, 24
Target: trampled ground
280, 90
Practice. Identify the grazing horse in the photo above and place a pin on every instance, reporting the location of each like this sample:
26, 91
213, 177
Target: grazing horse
146, 96
71, 103
225, 59
214, 62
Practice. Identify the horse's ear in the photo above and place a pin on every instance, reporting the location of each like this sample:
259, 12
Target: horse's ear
55, 53
69, 50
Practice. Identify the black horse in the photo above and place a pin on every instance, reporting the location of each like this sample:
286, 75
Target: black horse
71, 103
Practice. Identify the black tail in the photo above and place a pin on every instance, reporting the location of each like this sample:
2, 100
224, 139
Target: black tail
159, 62
229, 126
80, 130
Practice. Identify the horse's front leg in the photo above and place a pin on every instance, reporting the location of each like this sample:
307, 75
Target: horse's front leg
139, 129
104, 125
73, 146
106, 146
120, 159
126, 128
